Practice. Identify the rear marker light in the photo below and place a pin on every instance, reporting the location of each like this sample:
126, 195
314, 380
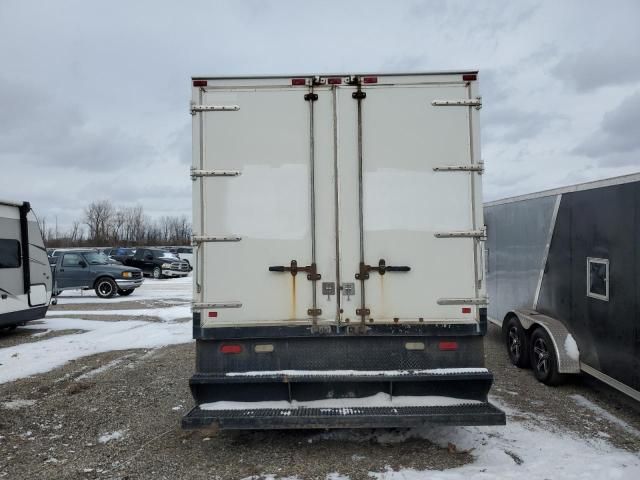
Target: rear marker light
265, 348
466, 309
213, 314
298, 81
414, 346
448, 346
334, 81
370, 80
231, 348
199, 83
469, 77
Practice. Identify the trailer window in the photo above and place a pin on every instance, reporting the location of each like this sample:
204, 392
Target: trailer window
598, 278
9, 253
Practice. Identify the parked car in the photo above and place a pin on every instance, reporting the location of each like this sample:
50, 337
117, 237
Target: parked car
120, 254
183, 253
158, 263
88, 269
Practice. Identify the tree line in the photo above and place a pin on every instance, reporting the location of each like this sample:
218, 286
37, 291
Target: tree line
105, 224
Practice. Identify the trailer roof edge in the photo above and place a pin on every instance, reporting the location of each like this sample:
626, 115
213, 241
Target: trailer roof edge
10, 203
380, 74
607, 182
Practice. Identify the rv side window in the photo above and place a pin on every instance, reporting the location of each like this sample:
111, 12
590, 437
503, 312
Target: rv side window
598, 278
9, 253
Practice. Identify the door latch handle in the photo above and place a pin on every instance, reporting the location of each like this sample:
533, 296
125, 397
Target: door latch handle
381, 268
293, 268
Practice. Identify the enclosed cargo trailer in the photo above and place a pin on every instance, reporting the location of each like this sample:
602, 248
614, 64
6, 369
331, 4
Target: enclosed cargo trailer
564, 280
338, 264
25, 275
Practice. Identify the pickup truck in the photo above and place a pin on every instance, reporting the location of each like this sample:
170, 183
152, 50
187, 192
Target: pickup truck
158, 263
88, 269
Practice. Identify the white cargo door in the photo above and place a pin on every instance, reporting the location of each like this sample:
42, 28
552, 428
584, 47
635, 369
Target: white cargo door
393, 204
253, 221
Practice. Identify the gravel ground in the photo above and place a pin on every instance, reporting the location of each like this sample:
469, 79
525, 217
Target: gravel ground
123, 422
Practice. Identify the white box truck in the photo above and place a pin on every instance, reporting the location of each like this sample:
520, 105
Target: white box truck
339, 252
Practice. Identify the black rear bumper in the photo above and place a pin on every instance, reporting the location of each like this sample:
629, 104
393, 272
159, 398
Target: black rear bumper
360, 417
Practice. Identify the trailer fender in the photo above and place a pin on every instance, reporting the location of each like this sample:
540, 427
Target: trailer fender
566, 352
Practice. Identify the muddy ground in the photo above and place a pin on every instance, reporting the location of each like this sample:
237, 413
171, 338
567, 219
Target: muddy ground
123, 422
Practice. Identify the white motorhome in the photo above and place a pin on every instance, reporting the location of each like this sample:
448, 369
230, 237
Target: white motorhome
339, 252
25, 275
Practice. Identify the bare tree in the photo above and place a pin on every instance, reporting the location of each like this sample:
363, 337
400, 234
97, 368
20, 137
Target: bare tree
97, 216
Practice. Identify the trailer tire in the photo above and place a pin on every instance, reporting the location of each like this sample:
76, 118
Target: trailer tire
157, 272
105, 287
544, 359
517, 344
124, 293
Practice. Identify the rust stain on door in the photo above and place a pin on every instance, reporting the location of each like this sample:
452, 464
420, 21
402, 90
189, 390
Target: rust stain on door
293, 298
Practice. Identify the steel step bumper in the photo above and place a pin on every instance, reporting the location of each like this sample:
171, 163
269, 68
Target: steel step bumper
348, 417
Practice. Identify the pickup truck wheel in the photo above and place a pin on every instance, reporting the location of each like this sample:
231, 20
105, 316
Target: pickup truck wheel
517, 345
157, 272
124, 293
544, 360
106, 288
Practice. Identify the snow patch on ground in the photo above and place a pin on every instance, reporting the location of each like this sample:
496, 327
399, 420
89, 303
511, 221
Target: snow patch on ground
167, 314
601, 412
27, 359
113, 436
97, 371
344, 406
17, 404
363, 373
519, 450
571, 348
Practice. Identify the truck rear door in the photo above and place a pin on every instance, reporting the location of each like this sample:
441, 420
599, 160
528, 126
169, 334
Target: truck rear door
335, 200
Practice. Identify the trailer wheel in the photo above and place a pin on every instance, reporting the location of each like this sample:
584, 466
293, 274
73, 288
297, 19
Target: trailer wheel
517, 345
106, 288
124, 293
544, 360
157, 272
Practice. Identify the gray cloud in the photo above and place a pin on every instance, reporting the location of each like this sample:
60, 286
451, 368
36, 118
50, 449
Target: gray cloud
591, 69
617, 142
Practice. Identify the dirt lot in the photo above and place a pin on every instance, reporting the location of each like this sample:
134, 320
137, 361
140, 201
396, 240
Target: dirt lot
117, 415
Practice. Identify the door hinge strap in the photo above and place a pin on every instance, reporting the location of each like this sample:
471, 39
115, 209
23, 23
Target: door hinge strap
463, 301
214, 173
314, 312
479, 167
207, 238
203, 306
481, 233
466, 102
214, 108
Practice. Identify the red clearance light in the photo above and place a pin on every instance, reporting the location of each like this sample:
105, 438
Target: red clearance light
448, 346
370, 80
298, 81
469, 77
213, 314
334, 81
231, 348
466, 309
199, 83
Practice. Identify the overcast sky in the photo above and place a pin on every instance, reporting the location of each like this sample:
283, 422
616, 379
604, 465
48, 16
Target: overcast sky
94, 95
